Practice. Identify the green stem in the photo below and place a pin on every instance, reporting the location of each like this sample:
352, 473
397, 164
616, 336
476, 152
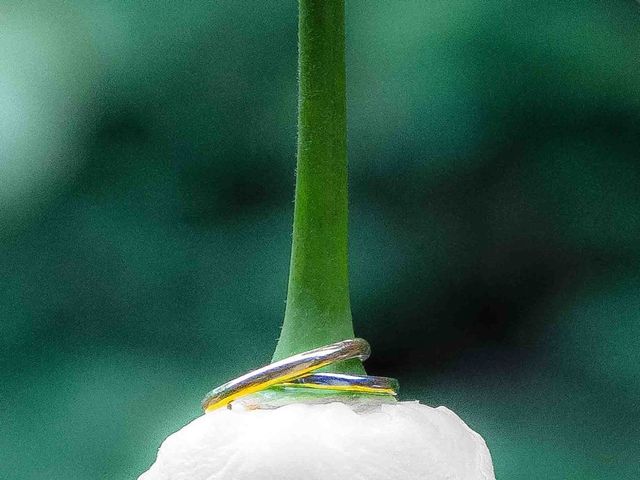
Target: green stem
318, 311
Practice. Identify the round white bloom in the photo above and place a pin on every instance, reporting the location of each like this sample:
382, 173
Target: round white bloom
403, 441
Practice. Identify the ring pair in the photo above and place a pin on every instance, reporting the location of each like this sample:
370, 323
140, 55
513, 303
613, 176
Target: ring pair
297, 371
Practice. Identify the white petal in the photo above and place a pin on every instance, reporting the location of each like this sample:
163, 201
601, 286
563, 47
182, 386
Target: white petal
404, 441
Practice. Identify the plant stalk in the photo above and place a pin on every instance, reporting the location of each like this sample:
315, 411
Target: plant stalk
318, 310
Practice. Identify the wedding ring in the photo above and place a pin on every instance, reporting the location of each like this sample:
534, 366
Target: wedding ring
286, 370
351, 383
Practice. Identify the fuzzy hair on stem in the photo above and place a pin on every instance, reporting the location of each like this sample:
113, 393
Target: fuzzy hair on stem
318, 310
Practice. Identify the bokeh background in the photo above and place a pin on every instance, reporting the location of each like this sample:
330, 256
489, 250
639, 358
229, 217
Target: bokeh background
146, 184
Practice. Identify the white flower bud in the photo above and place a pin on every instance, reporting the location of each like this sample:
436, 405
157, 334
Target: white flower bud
403, 441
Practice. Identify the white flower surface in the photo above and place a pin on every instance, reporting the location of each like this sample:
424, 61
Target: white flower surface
403, 441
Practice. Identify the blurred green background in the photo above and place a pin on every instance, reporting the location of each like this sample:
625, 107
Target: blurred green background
146, 184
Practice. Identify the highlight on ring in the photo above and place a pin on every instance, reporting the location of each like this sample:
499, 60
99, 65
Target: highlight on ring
298, 370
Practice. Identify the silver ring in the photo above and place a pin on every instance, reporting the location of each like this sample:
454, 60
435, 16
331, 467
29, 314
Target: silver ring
352, 383
285, 370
